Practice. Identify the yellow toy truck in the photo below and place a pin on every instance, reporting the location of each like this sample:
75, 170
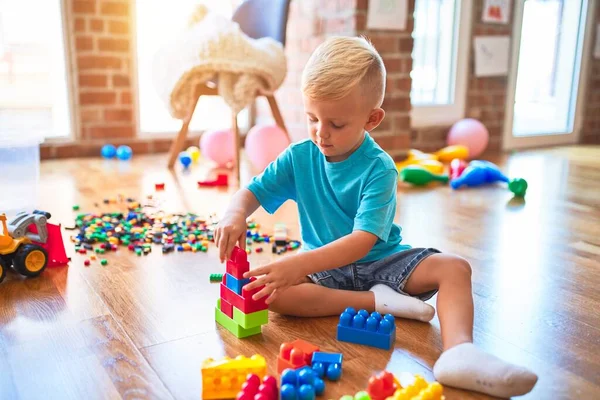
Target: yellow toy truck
17, 248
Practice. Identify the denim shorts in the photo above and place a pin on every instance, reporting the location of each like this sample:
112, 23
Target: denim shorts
392, 271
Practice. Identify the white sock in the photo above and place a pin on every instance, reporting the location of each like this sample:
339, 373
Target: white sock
467, 367
388, 301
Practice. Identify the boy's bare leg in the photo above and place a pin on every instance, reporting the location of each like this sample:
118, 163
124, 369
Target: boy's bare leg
310, 300
462, 364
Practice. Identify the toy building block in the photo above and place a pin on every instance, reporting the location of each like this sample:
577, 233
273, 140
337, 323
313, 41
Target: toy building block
295, 355
222, 379
420, 389
362, 395
244, 303
369, 330
253, 389
248, 321
235, 284
280, 234
215, 277
238, 263
301, 384
226, 307
328, 365
233, 326
222, 180
382, 385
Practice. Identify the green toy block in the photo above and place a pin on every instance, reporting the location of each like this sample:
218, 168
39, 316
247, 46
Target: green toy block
251, 320
232, 326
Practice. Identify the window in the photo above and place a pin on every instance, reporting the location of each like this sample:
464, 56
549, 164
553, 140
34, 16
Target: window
548, 67
440, 55
34, 95
157, 24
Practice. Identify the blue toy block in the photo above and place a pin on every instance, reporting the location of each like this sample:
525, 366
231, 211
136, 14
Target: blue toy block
300, 384
235, 284
369, 330
327, 365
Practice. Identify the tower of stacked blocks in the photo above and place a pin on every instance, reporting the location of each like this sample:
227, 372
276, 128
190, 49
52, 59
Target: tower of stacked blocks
236, 311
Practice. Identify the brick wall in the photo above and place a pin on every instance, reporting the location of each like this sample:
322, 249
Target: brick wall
591, 118
103, 66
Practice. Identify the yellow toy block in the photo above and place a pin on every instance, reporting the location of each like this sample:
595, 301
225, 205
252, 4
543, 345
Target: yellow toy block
419, 390
222, 379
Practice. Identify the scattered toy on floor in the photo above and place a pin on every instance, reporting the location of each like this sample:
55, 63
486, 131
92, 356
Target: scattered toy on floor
194, 152
124, 153
367, 329
222, 379
108, 151
185, 159
419, 176
221, 180
481, 172
254, 389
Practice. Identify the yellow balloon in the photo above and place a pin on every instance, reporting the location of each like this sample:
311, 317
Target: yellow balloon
194, 153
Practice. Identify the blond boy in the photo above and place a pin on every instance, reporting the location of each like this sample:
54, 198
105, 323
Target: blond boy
352, 255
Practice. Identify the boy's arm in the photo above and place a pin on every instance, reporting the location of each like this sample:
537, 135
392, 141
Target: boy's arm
343, 251
292, 269
232, 227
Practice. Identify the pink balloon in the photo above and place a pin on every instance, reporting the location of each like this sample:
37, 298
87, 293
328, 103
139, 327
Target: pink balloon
471, 133
218, 146
264, 144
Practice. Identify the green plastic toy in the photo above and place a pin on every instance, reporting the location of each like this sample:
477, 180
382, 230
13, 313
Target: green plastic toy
518, 186
419, 176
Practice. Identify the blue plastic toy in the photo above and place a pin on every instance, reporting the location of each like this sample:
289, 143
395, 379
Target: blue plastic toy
108, 151
185, 159
235, 284
477, 173
327, 365
124, 152
369, 330
301, 384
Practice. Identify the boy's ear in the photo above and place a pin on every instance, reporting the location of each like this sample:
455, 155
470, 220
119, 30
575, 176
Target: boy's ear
375, 118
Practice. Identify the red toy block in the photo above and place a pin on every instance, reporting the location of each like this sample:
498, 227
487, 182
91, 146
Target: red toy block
381, 386
238, 263
227, 308
222, 180
295, 355
253, 389
244, 303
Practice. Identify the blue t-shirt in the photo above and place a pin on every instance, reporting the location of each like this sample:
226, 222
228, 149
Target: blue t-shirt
335, 198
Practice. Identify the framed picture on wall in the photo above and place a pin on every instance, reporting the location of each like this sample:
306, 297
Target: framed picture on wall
496, 11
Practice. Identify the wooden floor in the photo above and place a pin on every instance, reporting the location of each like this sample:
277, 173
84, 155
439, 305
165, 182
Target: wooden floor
141, 326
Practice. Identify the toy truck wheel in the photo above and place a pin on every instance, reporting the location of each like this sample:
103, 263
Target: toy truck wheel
30, 260
2, 270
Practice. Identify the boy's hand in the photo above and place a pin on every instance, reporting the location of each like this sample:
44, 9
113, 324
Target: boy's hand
230, 231
278, 276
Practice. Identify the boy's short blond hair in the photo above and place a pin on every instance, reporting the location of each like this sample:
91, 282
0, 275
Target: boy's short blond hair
339, 64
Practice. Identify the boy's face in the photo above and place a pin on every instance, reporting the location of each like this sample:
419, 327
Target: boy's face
337, 127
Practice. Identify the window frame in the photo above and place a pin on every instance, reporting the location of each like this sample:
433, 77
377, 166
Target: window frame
439, 115
68, 45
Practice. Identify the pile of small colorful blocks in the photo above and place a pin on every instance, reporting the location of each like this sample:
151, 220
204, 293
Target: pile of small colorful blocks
139, 228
